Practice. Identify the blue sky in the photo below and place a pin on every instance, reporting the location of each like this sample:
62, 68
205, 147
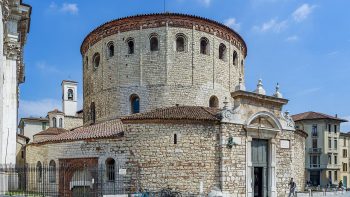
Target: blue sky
302, 45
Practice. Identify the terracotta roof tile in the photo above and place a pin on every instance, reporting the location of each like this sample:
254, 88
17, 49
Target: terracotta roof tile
178, 113
55, 111
52, 131
315, 115
102, 130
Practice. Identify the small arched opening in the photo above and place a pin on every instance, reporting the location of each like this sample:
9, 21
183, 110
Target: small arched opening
154, 44
204, 46
96, 60
131, 46
214, 102
110, 169
222, 51
52, 171
92, 113
135, 103
110, 47
180, 43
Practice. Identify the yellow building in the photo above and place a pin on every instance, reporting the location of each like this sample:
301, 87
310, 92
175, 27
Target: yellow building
324, 148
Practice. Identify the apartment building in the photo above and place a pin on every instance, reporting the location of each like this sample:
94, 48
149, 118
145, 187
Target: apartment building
324, 156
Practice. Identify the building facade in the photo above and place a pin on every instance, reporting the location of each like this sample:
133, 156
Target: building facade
324, 146
165, 104
67, 119
14, 26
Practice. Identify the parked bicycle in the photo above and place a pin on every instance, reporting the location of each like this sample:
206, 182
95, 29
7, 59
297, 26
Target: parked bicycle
168, 192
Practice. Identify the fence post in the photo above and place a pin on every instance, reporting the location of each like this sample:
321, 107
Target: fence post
310, 193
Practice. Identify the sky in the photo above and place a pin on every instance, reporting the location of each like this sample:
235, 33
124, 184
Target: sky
302, 45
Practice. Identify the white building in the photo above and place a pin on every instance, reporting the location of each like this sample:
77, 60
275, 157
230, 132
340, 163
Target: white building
69, 118
14, 26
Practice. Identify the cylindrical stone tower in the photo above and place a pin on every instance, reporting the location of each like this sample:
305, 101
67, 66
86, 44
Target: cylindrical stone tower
143, 62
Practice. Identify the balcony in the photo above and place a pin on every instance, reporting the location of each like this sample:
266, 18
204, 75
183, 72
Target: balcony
323, 166
315, 150
317, 166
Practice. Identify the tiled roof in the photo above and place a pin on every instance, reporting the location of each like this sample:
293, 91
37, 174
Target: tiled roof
52, 131
34, 119
102, 130
55, 111
178, 113
315, 115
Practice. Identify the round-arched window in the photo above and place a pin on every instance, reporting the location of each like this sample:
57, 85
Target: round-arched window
135, 103
180, 43
214, 101
234, 58
96, 60
110, 169
110, 47
222, 51
52, 171
131, 45
204, 46
154, 44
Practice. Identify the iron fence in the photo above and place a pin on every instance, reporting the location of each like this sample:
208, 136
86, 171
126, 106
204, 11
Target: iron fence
67, 180
49, 180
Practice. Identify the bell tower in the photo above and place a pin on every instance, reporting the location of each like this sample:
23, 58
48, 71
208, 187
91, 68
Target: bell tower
69, 97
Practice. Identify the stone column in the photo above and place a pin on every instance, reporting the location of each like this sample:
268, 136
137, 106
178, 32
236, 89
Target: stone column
272, 168
249, 168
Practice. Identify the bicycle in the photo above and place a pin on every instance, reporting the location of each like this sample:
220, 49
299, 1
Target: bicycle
168, 192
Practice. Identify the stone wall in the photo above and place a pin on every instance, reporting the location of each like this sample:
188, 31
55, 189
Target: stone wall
161, 78
150, 147
72, 122
234, 160
290, 162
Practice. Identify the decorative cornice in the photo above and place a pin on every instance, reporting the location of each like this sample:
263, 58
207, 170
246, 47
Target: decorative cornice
161, 20
5, 9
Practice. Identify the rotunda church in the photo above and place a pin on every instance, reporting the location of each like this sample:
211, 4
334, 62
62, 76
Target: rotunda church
165, 105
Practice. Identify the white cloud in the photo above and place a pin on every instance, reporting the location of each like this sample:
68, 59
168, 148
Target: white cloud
205, 2
38, 108
309, 91
302, 12
292, 38
272, 25
232, 22
71, 8
44, 67
332, 53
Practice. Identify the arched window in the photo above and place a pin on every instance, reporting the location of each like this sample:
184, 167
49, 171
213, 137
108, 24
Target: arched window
39, 171
92, 112
110, 47
213, 101
60, 123
70, 94
54, 122
222, 51
204, 46
234, 58
154, 45
131, 46
96, 60
52, 171
180, 43
135, 103
110, 169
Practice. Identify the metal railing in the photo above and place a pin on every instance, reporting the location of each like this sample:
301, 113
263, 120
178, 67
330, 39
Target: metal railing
315, 150
67, 181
